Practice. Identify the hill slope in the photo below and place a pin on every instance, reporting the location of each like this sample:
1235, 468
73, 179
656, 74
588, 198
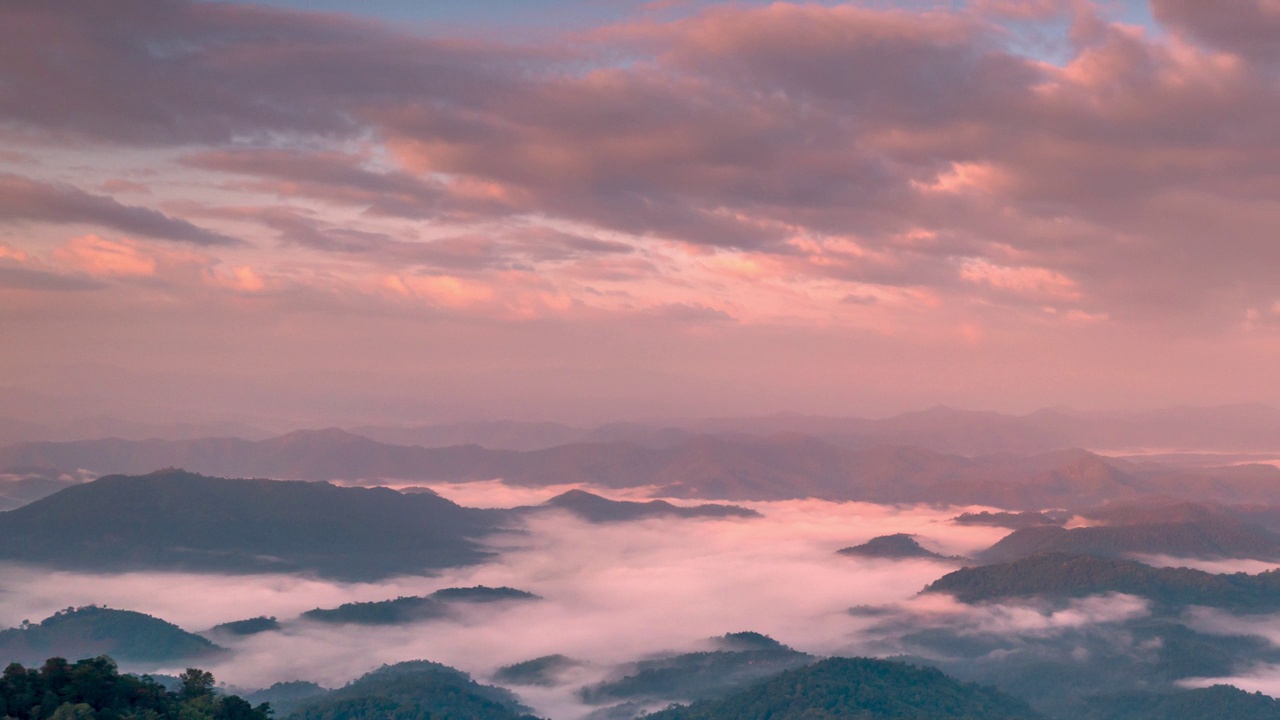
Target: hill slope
899, 546
1211, 703
1212, 537
597, 509
92, 631
741, 658
179, 520
410, 690
860, 688
1060, 575
403, 610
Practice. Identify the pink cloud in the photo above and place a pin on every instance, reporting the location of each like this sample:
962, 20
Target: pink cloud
869, 176
101, 257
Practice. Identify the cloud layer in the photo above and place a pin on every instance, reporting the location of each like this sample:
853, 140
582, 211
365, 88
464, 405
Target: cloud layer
1014, 182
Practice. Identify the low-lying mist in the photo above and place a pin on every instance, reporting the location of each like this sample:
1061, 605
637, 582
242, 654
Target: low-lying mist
611, 593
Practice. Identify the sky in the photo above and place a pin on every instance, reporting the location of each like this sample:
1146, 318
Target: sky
401, 212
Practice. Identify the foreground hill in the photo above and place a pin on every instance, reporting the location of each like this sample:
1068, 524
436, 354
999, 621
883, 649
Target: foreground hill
859, 688
178, 520
92, 631
1065, 576
414, 690
94, 689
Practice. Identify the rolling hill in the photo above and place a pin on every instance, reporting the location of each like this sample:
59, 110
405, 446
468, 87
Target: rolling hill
860, 688
404, 610
741, 658
1058, 575
86, 632
1207, 537
177, 520
899, 546
594, 508
415, 689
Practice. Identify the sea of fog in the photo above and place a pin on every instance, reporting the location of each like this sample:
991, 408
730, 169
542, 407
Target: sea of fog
611, 593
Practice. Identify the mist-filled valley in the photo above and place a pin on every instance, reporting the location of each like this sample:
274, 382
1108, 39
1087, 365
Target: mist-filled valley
615, 578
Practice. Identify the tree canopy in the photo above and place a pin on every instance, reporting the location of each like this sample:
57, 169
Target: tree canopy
94, 689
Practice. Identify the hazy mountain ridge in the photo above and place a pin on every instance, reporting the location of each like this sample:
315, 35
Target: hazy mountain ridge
1227, 428
704, 466
179, 520
594, 508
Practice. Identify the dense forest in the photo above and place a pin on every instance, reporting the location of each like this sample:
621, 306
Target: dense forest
94, 689
741, 659
416, 690
858, 688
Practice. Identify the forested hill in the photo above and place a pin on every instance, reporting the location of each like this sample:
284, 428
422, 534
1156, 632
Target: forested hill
91, 631
94, 689
416, 690
860, 688
175, 520
1060, 575
1215, 536
1212, 703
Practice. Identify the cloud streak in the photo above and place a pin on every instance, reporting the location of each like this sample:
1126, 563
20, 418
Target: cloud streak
25, 199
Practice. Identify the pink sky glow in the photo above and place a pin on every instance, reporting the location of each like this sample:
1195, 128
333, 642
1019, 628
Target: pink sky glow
232, 210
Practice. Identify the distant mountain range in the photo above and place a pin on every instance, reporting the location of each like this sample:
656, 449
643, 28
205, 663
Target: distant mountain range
1230, 428
701, 466
100, 426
